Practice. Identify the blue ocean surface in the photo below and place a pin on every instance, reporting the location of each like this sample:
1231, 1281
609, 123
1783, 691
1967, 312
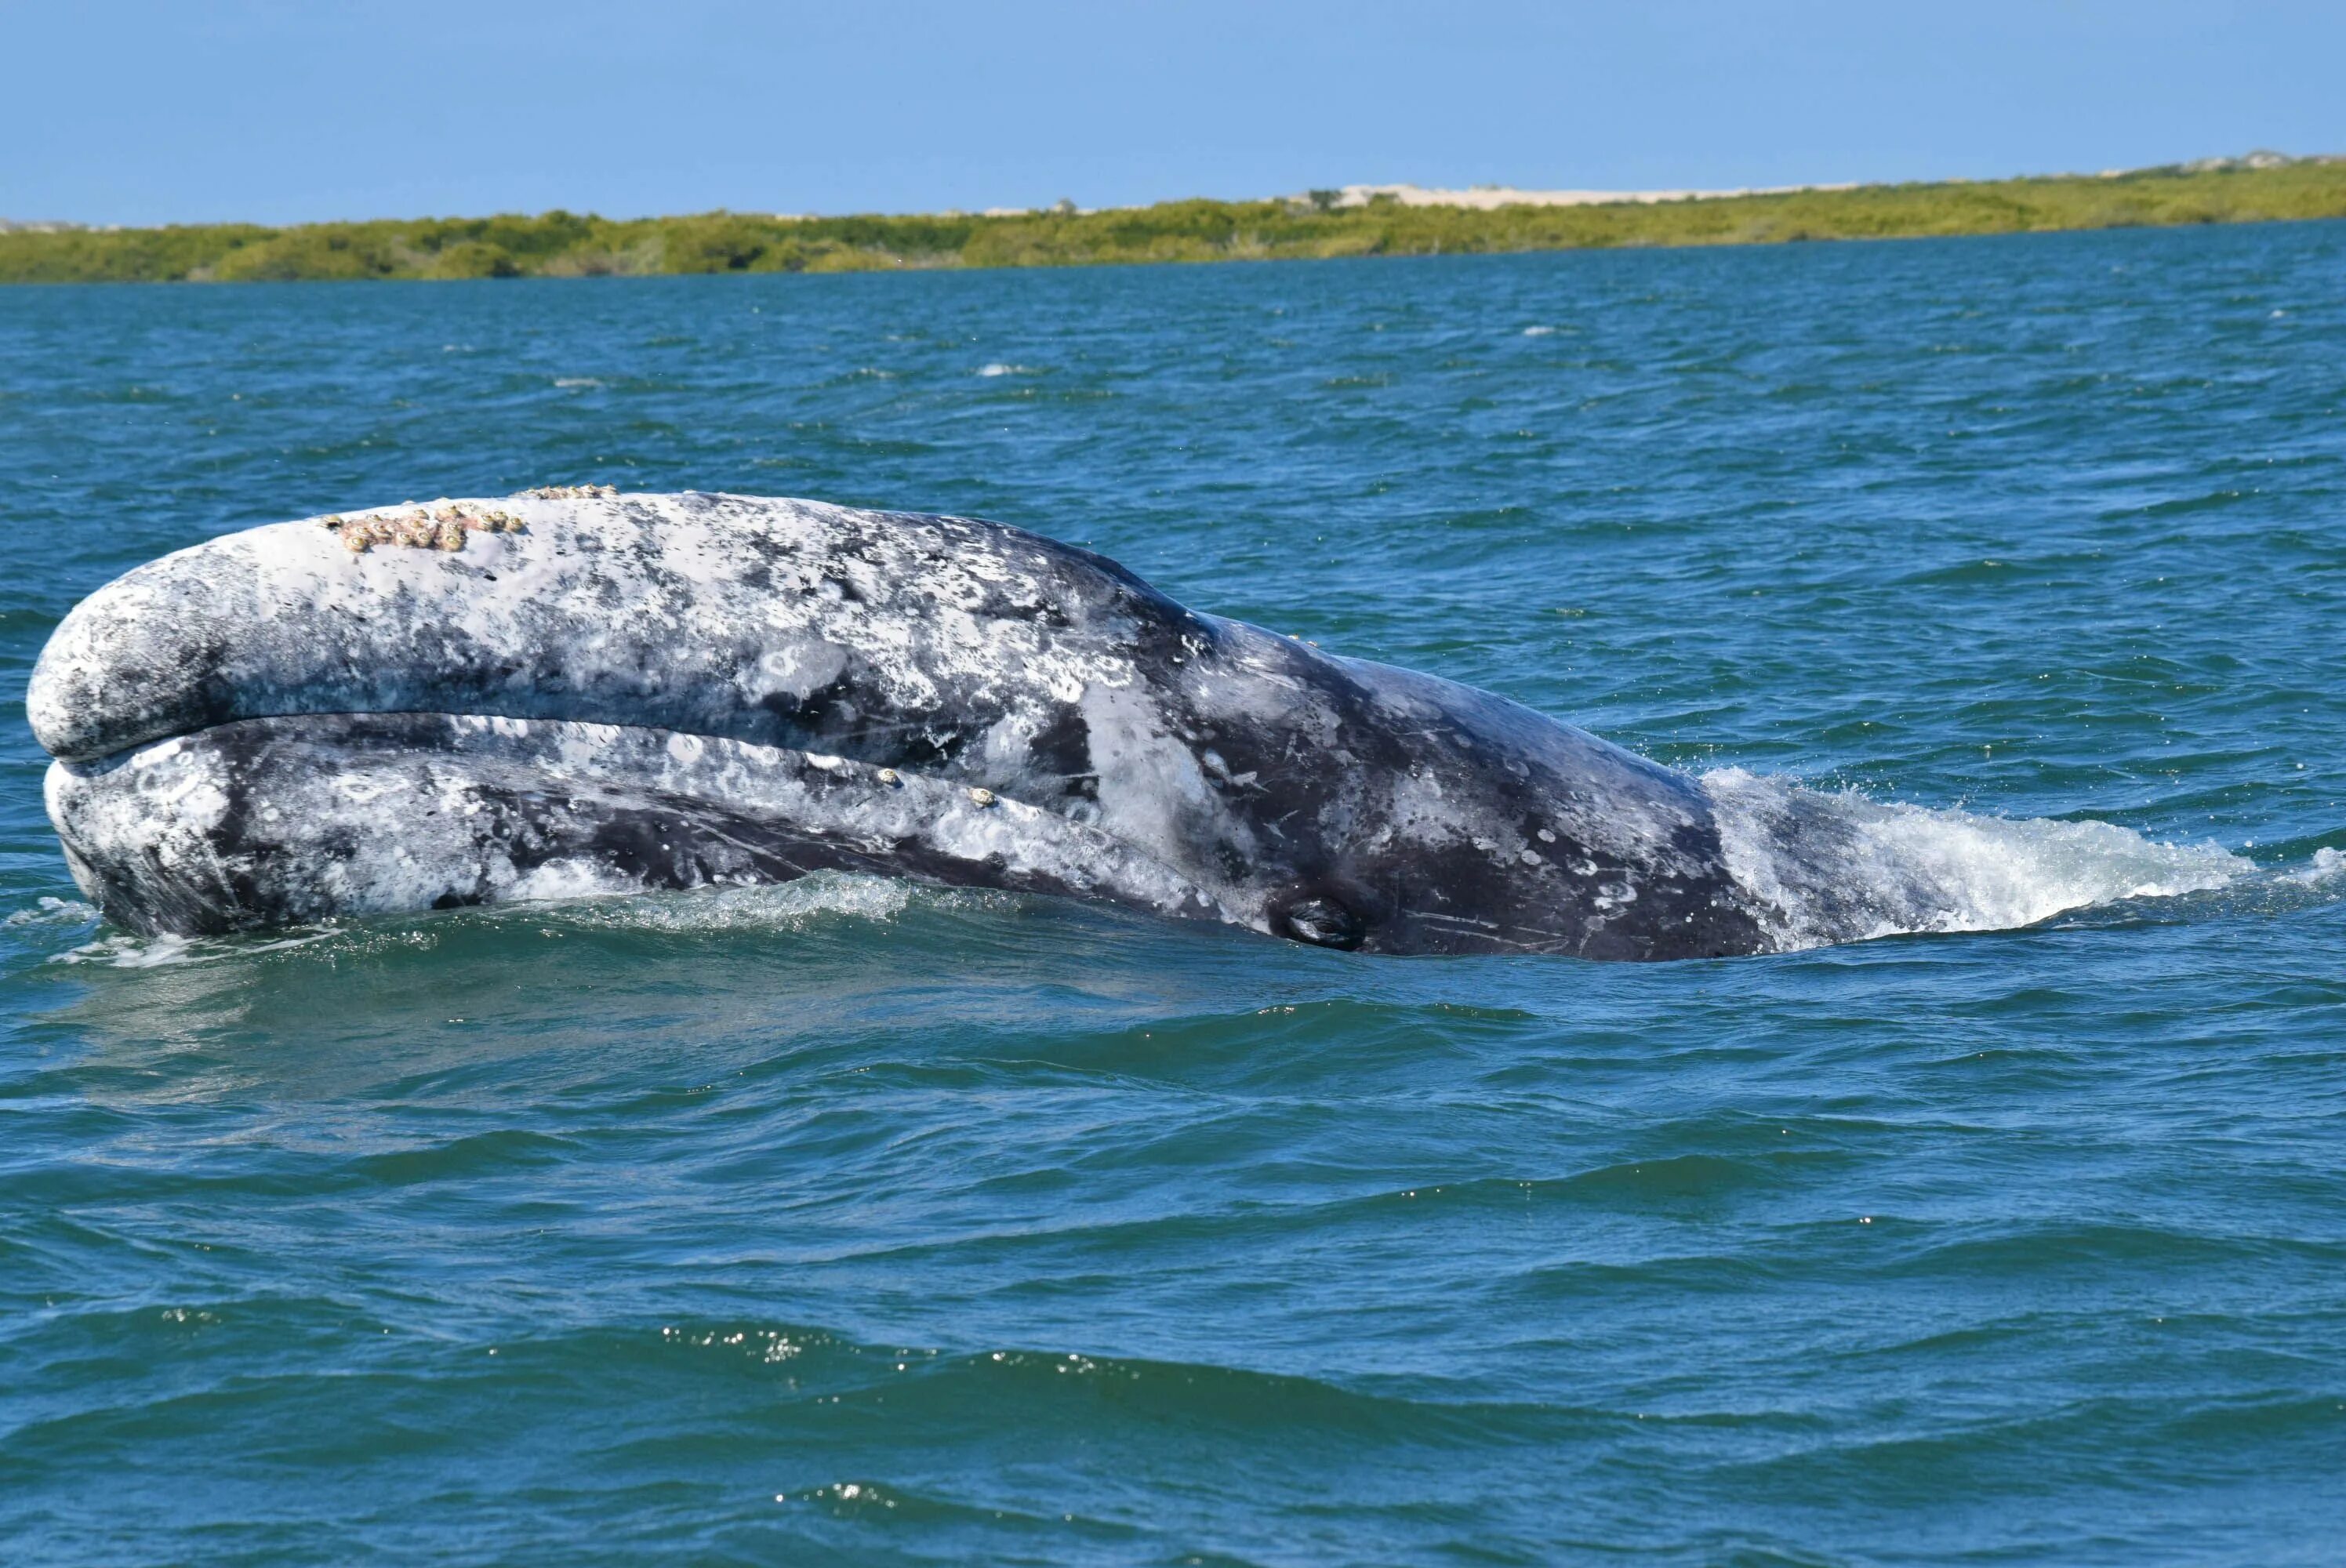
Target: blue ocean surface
857, 1222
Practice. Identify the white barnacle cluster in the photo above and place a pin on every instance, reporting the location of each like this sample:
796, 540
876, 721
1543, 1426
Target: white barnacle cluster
572, 492
442, 525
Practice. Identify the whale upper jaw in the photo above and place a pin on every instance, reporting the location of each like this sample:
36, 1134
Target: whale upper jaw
725, 616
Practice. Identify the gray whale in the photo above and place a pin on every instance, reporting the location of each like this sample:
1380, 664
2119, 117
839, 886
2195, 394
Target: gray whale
571, 693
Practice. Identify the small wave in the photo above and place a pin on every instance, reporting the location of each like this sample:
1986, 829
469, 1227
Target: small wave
1000, 369
577, 382
931, 1382
1538, 331
787, 907
1833, 868
122, 950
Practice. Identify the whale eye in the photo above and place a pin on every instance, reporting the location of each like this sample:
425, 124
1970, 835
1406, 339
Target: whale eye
1323, 922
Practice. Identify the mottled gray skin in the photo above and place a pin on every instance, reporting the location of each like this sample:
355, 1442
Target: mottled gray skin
727, 677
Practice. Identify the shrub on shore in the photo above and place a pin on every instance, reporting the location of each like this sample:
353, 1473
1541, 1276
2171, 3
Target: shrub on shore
563, 244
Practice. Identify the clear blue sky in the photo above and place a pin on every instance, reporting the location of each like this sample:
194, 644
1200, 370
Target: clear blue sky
127, 112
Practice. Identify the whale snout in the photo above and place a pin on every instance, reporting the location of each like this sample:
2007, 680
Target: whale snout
132, 663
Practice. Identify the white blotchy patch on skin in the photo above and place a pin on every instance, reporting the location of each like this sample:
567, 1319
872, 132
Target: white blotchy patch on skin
797, 670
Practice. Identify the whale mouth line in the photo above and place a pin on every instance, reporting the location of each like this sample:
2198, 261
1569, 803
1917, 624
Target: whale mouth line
459, 721
683, 745
476, 721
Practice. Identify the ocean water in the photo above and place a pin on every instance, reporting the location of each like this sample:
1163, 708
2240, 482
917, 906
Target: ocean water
856, 1222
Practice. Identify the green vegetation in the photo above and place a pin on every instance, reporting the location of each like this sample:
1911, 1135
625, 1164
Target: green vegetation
562, 245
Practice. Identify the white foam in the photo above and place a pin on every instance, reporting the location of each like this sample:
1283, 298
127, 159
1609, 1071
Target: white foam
1538, 331
1000, 369
1839, 867
129, 951
780, 907
2326, 866
568, 878
125, 952
53, 911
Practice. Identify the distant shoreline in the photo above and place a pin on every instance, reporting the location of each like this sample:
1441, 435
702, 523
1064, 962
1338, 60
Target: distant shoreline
1352, 221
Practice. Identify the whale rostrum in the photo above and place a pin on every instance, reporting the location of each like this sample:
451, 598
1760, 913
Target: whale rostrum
573, 692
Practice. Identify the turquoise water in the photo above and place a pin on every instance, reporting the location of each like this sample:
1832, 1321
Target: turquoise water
852, 1222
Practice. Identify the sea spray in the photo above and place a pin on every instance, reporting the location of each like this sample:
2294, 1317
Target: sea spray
1829, 867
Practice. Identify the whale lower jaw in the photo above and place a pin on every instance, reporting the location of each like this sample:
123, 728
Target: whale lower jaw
265, 821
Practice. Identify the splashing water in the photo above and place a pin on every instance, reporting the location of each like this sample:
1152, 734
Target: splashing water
48, 911
2326, 866
1830, 866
